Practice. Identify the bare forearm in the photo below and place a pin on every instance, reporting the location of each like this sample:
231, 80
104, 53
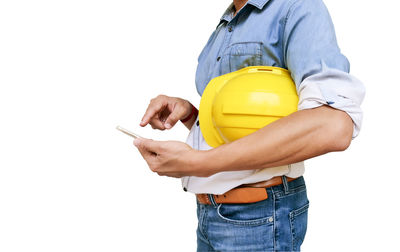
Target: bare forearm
300, 136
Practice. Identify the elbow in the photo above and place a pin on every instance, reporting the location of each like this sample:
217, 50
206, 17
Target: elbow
340, 131
342, 144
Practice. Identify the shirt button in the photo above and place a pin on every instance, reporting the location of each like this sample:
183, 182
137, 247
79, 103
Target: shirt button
230, 29
197, 123
271, 219
218, 58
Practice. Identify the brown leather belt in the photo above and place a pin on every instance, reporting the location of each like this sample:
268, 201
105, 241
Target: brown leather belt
247, 193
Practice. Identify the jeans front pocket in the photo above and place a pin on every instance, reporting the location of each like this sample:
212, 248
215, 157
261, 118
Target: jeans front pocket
241, 227
252, 214
298, 226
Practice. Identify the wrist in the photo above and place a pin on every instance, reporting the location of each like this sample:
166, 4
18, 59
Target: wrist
206, 163
193, 112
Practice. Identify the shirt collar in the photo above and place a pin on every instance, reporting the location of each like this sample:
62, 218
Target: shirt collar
258, 3
228, 14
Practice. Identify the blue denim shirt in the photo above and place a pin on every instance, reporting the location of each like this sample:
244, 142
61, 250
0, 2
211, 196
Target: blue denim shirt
297, 35
294, 34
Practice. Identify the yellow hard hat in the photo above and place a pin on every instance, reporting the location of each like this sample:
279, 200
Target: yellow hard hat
237, 104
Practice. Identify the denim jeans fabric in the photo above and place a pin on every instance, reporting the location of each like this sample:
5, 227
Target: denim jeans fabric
278, 223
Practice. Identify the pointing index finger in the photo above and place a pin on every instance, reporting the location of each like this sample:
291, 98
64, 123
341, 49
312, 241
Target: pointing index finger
150, 112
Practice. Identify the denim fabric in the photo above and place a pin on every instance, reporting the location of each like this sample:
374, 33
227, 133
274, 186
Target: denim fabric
278, 223
294, 34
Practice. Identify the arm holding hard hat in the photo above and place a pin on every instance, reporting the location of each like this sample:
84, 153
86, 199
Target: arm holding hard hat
297, 137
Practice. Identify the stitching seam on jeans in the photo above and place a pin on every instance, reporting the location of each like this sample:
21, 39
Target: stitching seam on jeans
291, 191
292, 216
255, 222
204, 226
274, 215
299, 211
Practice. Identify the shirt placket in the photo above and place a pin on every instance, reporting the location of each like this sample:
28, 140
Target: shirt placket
228, 29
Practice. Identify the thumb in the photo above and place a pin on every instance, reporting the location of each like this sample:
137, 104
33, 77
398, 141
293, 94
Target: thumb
148, 145
146, 154
137, 142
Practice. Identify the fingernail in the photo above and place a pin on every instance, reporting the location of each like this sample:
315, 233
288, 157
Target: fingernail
167, 125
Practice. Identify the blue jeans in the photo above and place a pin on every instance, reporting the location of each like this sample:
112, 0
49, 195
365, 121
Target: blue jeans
278, 223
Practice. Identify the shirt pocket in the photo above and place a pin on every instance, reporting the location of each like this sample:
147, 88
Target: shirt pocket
241, 55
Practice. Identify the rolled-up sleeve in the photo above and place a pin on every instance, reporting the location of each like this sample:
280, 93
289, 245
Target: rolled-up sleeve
319, 69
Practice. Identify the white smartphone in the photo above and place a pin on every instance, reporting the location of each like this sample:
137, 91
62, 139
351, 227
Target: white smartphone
128, 132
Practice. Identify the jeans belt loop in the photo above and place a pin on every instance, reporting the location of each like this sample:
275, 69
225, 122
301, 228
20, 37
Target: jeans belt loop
285, 184
212, 200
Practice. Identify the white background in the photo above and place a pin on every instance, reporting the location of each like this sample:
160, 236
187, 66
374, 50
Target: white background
70, 71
